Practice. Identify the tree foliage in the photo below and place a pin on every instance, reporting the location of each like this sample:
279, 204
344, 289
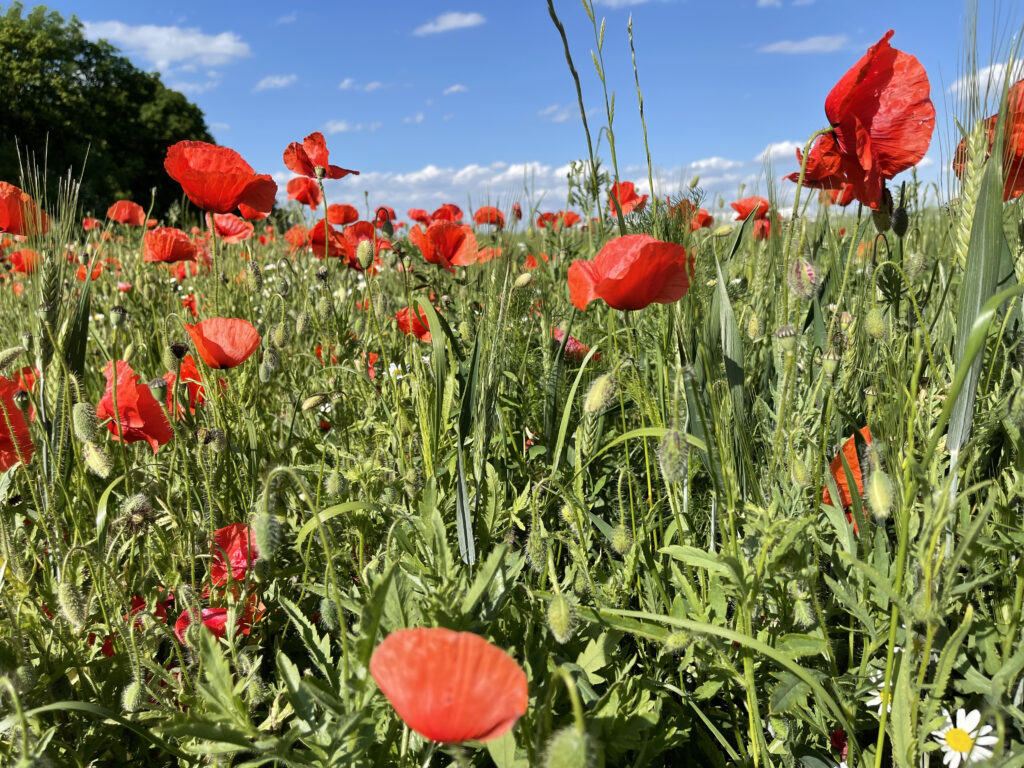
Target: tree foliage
71, 101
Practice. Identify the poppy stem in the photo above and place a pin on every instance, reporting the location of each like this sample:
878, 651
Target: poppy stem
574, 697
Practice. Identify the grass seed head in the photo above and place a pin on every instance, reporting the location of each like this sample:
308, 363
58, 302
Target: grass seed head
9, 355
601, 394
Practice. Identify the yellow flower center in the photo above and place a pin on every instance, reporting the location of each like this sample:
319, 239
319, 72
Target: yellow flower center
959, 740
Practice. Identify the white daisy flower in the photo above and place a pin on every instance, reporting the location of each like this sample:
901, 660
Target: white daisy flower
965, 742
881, 696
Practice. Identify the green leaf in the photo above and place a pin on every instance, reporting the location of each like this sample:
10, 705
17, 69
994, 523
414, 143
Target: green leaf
790, 693
483, 579
503, 752
324, 515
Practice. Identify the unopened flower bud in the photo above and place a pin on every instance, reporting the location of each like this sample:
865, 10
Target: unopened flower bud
280, 335
522, 281
802, 277
73, 605
268, 534
302, 323
673, 450
315, 401
97, 460
875, 325
364, 254
253, 276
880, 494
26, 341
83, 418
601, 394
621, 540
562, 618
570, 748
131, 697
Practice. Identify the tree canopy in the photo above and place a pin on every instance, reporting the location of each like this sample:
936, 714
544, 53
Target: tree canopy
63, 97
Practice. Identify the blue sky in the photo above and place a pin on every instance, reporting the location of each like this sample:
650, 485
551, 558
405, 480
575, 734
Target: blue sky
436, 101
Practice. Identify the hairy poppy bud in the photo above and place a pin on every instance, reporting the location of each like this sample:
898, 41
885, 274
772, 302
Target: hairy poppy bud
562, 618
284, 287
118, 315
26, 341
522, 281
673, 451
22, 400
801, 475
621, 540
570, 748
9, 355
323, 308
329, 614
268, 533
272, 359
280, 335
754, 327
266, 373
253, 276
302, 323
129, 352
802, 277
83, 417
677, 641
334, 484
364, 254
537, 549
131, 696
875, 325
97, 460
73, 605
914, 265
137, 513
787, 338
880, 494
900, 222
601, 394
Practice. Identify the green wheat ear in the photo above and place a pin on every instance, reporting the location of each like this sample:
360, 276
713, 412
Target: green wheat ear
971, 187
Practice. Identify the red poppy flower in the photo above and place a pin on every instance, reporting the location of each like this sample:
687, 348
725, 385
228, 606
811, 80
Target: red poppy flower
414, 323
447, 212
842, 196
446, 243
450, 686
189, 302
420, 215
517, 211
15, 441
19, 214
629, 200
856, 462
882, 119
127, 212
25, 261
762, 229
488, 214
124, 287
575, 350
216, 619
701, 220
138, 413
89, 223
318, 351
531, 260
355, 234
306, 191
487, 254
81, 272
631, 272
251, 214
296, 237
310, 159
1013, 150
341, 214
167, 245
558, 220
757, 205
224, 342
231, 228
217, 179
151, 223
234, 550
335, 241
193, 382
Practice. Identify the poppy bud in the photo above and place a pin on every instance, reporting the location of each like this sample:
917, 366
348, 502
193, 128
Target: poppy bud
570, 748
562, 618
364, 254
334, 485
284, 287
46, 312
272, 359
673, 451
137, 513
302, 323
522, 281
695, 181
97, 460
677, 641
26, 341
830, 362
880, 494
601, 394
323, 308
802, 277
268, 534
328, 611
266, 373
875, 325
754, 327
787, 338
83, 417
801, 475
131, 696
315, 401
118, 315
129, 352
537, 549
914, 265
216, 440
621, 541
900, 222
73, 605
280, 335
22, 400
253, 276
9, 355
882, 216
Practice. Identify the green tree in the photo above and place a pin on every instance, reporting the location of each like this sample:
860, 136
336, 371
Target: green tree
63, 97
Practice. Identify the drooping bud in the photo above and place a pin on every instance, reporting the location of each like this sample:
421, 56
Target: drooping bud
673, 450
522, 281
801, 475
323, 309
601, 394
73, 605
622, 540
268, 533
677, 641
562, 618
570, 748
137, 513
914, 265
883, 216
315, 401
280, 335
537, 549
302, 323
253, 276
754, 327
129, 352
97, 460
322, 274
83, 418
334, 484
329, 614
272, 359
131, 696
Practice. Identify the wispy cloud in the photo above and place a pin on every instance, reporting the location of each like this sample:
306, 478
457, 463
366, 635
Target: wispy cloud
164, 47
457, 88
449, 21
193, 87
816, 44
417, 118
344, 126
219, 127
779, 150
714, 164
988, 81
769, 3
273, 82
350, 84
288, 18
556, 113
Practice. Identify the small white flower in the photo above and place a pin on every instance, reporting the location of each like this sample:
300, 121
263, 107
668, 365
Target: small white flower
881, 696
964, 742
395, 371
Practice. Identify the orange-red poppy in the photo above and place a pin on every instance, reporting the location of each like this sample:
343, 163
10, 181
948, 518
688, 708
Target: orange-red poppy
1013, 149
167, 245
234, 552
629, 200
531, 260
138, 416
216, 619
517, 211
19, 214
355, 234
757, 205
487, 254
446, 243
310, 158
231, 228
326, 241
488, 214
305, 190
89, 223
701, 220
413, 322
251, 214
296, 237
450, 686
192, 380
25, 261
558, 220
420, 215
857, 464
341, 214
15, 440
217, 179
224, 342
630, 272
127, 212
447, 212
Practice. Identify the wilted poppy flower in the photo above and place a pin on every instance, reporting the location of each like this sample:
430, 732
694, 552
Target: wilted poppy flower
629, 200
251, 214
517, 211
310, 158
446, 243
296, 237
19, 214
217, 179
231, 228
857, 463
757, 205
1013, 149
305, 190
15, 441
420, 215
341, 214
25, 261
447, 212
450, 686
631, 272
413, 322
127, 212
89, 223
138, 415
234, 552
167, 245
882, 119
575, 351
224, 342
488, 214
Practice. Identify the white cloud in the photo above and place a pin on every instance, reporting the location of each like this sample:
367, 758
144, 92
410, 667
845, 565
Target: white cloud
556, 113
714, 164
344, 126
192, 87
457, 88
164, 47
619, 3
417, 118
272, 82
988, 80
373, 86
769, 3
926, 161
780, 150
288, 18
219, 127
448, 117
449, 21
349, 84
816, 44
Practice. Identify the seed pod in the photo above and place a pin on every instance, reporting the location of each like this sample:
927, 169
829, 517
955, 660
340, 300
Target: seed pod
900, 222
73, 605
179, 349
97, 460
601, 394
562, 618
118, 315
673, 451
787, 338
22, 400
830, 362
158, 387
83, 417
570, 748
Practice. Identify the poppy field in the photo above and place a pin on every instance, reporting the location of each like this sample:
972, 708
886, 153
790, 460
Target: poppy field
288, 480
